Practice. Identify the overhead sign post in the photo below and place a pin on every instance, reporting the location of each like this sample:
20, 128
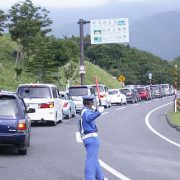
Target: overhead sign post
109, 31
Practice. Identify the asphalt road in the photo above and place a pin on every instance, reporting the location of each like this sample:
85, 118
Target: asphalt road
136, 143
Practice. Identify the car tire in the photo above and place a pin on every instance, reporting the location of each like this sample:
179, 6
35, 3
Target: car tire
69, 115
120, 103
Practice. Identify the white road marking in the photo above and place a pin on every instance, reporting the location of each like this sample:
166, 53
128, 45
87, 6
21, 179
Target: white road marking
120, 108
135, 105
113, 171
146, 102
103, 164
105, 113
154, 131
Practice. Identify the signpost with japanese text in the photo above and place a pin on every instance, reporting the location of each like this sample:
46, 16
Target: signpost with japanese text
109, 31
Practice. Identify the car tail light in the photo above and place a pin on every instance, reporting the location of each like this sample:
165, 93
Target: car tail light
46, 105
129, 94
65, 104
21, 125
102, 96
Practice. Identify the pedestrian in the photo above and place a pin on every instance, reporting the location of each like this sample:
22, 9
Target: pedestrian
90, 138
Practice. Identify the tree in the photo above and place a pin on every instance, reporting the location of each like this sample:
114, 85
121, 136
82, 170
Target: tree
2, 20
41, 63
26, 21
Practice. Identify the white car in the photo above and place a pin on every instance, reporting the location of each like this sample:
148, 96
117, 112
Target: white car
45, 99
103, 94
69, 107
117, 97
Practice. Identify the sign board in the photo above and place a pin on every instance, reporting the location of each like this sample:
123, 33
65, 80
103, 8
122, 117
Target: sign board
150, 75
121, 78
109, 31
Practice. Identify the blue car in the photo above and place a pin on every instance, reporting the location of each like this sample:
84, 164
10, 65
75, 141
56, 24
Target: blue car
15, 124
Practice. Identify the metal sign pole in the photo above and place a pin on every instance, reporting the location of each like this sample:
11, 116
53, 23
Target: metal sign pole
81, 22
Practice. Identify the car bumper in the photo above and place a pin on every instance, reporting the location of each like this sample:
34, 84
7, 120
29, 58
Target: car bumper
43, 115
13, 138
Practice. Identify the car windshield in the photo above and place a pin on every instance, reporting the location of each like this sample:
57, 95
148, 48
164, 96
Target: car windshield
34, 92
101, 89
78, 91
113, 92
8, 106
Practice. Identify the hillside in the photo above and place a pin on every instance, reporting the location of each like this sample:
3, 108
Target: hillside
8, 80
158, 34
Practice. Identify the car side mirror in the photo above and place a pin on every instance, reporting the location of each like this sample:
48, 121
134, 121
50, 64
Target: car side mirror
31, 110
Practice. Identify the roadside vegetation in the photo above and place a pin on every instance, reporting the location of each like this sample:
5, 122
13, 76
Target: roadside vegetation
29, 54
174, 118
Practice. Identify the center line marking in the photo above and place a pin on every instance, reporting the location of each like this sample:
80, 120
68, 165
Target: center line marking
113, 171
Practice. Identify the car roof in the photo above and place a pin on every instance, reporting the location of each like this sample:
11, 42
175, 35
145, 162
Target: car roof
9, 93
37, 84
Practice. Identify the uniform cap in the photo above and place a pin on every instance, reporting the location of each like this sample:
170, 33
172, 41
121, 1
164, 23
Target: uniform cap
88, 98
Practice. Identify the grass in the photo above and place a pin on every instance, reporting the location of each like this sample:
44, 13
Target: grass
174, 118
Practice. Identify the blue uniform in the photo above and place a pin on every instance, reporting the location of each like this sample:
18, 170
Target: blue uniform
92, 168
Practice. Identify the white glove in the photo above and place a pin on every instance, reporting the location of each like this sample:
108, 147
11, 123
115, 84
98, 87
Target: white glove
101, 109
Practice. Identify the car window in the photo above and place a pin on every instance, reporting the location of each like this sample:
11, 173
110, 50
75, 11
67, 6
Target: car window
113, 92
78, 91
124, 91
34, 92
8, 106
101, 89
54, 92
92, 91
140, 89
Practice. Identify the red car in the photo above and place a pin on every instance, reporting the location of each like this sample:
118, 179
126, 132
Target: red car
143, 93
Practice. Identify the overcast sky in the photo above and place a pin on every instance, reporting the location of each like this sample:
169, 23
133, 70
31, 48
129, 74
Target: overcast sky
64, 4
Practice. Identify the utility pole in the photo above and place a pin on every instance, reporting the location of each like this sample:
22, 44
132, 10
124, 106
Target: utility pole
82, 71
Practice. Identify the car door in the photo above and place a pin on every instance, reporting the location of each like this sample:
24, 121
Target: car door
57, 103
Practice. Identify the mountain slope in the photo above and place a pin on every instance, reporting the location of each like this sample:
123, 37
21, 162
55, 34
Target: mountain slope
158, 34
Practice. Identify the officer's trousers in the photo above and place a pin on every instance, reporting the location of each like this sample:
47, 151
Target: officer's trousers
92, 168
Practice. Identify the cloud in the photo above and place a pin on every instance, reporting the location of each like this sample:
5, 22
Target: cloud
58, 4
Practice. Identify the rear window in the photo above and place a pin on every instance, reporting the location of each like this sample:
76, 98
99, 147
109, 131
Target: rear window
141, 89
78, 91
113, 92
154, 87
101, 89
34, 92
165, 86
8, 106
124, 91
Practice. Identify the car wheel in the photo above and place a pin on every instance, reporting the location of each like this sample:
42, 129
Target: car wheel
120, 103
69, 115
22, 151
74, 114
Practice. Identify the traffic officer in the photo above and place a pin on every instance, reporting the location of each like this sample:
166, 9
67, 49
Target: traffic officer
90, 138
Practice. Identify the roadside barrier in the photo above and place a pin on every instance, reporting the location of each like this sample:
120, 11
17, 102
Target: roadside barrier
178, 104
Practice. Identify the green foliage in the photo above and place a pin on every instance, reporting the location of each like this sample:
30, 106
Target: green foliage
2, 20
26, 21
134, 64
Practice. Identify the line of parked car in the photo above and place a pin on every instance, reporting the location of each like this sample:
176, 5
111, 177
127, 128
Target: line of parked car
33, 103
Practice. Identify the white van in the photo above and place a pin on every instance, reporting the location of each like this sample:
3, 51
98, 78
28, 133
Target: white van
45, 99
104, 95
77, 92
